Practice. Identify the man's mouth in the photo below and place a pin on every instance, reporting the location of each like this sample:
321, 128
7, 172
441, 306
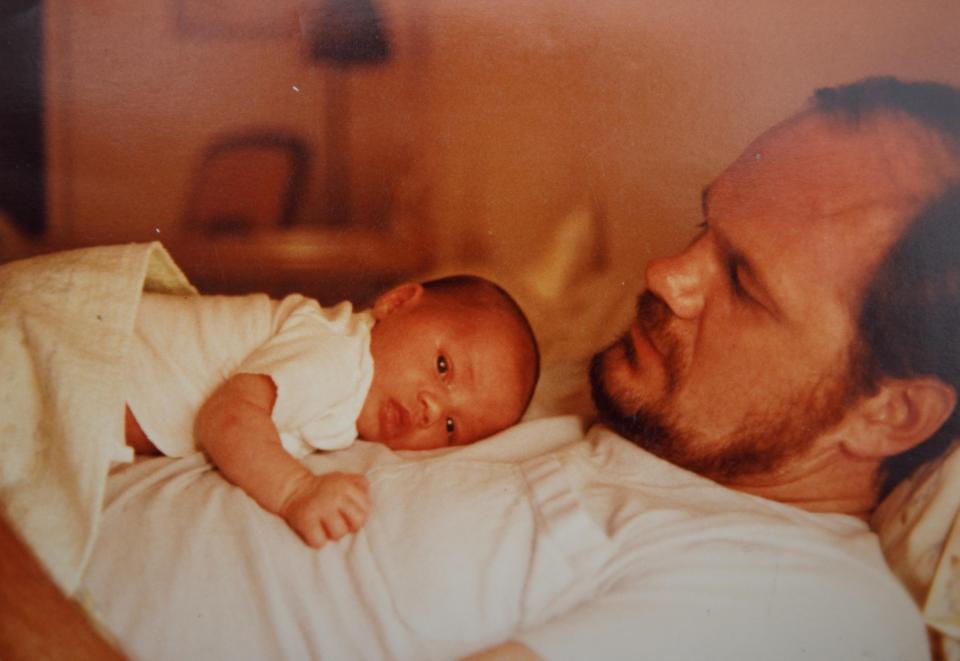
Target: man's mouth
394, 419
649, 334
651, 319
638, 345
626, 343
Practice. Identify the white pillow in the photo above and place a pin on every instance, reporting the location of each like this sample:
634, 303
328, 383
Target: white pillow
919, 531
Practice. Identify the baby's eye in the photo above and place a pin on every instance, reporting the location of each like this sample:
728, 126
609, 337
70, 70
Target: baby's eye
442, 366
450, 428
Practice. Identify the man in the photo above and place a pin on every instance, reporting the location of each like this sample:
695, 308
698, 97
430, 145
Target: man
801, 348
797, 338
764, 357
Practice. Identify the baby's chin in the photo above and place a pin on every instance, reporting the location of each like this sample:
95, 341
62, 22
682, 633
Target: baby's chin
368, 427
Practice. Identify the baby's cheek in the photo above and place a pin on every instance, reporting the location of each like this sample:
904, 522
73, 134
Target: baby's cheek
432, 438
424, 439
367, 421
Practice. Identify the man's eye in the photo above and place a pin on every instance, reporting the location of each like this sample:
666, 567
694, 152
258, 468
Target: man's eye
735, 281
442, 366
450, 428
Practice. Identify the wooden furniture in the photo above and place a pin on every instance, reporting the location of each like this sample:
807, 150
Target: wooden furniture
327, 264
250, 180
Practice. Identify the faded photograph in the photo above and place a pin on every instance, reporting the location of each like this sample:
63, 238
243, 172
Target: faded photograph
407, 329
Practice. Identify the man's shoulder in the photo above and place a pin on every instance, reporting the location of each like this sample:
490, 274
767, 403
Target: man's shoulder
670, 516
713, 549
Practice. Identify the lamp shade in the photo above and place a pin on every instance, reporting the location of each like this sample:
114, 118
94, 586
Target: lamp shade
349, 33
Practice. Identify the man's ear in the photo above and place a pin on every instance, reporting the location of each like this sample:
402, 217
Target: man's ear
901, 415
400, 296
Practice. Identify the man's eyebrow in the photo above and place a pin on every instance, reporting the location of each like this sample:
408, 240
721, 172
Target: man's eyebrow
755, 281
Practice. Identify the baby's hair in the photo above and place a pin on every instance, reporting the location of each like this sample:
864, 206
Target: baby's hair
489, 294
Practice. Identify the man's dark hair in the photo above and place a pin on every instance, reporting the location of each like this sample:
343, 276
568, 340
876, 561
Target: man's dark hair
933, 105
489, 293
910, 315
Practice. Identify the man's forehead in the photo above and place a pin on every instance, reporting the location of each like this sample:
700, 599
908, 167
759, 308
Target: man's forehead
830, 165
817, 195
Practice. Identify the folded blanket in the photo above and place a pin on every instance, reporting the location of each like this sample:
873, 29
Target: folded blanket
65, 325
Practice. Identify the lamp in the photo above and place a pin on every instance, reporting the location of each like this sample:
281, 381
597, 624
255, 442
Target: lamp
344, 34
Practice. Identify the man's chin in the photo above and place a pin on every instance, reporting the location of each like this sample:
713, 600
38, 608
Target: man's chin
751, 452
638, 425
643, 426
599, 393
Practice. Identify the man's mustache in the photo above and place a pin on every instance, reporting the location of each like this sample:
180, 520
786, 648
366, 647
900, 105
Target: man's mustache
653, 317
642, 425
652, 313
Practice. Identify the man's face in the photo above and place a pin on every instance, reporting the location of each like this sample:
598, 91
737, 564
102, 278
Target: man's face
444, 373
739, 359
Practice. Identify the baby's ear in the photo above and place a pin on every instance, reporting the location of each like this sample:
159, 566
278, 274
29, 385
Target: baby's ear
400, 296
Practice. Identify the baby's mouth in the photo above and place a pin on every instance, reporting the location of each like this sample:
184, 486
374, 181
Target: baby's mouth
394, 419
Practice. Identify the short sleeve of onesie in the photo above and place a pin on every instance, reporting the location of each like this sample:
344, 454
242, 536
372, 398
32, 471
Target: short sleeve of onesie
320, 361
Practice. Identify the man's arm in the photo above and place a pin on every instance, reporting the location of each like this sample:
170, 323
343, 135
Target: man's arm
508, 651
37, 621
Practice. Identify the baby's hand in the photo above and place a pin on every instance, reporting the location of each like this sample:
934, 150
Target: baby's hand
328, 506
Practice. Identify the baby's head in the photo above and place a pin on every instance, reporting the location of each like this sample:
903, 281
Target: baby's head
454, 361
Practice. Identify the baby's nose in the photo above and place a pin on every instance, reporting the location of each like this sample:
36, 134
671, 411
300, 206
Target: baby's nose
429, 408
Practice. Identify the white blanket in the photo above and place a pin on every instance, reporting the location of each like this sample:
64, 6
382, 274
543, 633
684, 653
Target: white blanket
65, 324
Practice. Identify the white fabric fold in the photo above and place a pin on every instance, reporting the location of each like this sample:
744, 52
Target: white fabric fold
65, 326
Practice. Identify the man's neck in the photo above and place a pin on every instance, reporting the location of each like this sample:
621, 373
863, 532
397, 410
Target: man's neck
831, 482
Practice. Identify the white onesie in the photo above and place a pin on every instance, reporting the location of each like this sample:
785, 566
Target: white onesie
184, 347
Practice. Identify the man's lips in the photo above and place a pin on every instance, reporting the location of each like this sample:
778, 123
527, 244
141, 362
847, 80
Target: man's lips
393, 418
638, 345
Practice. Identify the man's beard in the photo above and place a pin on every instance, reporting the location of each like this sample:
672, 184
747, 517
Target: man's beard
765, 439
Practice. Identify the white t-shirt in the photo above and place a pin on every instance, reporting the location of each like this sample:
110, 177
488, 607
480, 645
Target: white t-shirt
184, 347
578, 548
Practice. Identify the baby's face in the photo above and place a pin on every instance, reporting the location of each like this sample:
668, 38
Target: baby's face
443, 374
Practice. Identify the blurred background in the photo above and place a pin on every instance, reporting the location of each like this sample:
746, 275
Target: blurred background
337, 146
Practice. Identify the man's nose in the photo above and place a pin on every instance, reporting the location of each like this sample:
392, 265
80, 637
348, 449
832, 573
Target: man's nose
429, 408
681, 280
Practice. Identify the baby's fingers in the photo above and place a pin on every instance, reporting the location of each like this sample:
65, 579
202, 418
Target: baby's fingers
354, 495
314, 534
358, 497
361, 481
336, 526
355, 514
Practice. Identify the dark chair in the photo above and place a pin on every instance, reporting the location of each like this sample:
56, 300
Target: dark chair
247, 182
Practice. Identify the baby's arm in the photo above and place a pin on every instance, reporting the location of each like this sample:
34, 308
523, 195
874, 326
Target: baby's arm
235, 429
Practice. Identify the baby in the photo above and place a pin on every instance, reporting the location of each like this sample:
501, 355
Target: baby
256, 382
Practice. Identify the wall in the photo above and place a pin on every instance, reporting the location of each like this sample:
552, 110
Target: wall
134, 97
495, 119
632, 106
